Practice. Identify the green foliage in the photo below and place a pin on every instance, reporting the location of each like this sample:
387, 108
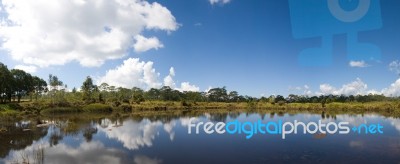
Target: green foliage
88, 88
60, 110
97, 108
218, 94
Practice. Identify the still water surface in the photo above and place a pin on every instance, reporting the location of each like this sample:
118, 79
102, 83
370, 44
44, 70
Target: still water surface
165, 139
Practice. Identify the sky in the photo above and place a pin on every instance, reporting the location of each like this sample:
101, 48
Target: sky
254, 47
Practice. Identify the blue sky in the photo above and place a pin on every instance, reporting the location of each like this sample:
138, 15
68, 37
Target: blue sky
246, 46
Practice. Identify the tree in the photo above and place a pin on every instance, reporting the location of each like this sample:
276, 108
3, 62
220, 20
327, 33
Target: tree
104, 87
40, 86
54, 82
88, 88
124, 94
153, 94
23, 83
6, 81
218, 94
168, 94
137, 95
279, 98
233, 96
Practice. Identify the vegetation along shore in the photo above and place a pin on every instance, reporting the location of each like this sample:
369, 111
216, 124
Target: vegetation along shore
23, 94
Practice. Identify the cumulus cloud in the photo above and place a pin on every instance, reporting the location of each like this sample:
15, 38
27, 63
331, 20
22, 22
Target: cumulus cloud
144, 44
44, 33
353, 88
213, 2
168, 80
358, 87
360, 64
135, 73
26, 68
393, 90
185, 86
132, 73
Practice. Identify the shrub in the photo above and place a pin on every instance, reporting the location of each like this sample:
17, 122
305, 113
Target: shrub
125, 108
280, 103
97, 108
58, 110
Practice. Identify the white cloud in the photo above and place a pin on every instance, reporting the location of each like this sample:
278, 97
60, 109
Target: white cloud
358, 87
212, 2
395, 66
44, 33
168, 80
186, 86
144, 44
26, 68
393, 90
305, 90
360, 64
135, 73
353, 88
132, 73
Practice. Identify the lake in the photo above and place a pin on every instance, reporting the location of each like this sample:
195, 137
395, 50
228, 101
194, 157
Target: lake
164, 138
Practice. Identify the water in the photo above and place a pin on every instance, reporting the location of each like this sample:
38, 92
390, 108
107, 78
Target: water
165, 139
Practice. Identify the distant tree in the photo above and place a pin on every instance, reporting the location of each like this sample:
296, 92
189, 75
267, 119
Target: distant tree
218, 94
279, 98
137, 95
40, 86
54, 82
153, 94
87, 89
271, 99
233, 96
193, 96
104, 87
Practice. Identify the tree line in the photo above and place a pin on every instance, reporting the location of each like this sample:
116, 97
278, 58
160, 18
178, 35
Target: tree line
15, 84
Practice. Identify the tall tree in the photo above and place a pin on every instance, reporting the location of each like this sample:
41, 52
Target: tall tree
23, 83
6, 81
218, 94
88, 88
40, 86
54, 83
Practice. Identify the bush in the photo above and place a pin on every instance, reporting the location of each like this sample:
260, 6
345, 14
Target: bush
59, 110
97, 108
280, 103
185, 104
125, 108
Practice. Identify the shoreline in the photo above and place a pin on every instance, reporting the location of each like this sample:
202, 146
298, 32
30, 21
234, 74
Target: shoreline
386, 108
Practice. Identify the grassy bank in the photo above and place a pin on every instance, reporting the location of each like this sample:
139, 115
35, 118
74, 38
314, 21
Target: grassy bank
389, 108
